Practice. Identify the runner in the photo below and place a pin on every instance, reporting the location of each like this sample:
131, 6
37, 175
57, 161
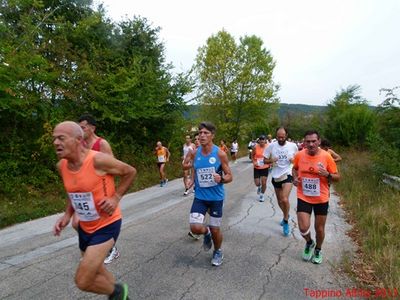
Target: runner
187, 147
88, 178
91, 140
163, 155
196, 237
313, 169
223, 147
260, 168
212, 170
327, 147
96, 143
234, 150
280, 154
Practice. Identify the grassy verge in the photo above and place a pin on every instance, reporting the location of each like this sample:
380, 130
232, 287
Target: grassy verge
373, 209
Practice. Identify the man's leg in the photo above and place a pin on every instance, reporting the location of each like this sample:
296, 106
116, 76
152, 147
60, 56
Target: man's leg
91, 275
282, 194
216, 237
263, 184
303, 220
320, 221
257, 183
162, 173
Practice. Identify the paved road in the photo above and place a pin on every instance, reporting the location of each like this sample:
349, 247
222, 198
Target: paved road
159, 260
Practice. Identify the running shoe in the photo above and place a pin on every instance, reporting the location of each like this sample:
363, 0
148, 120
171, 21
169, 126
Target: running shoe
218, 257
308, 251
259, 190
282, 221
186, 192
194, 236
113, 254
261, 199
317, 257
207, 242
286, 228
165, 181
122, 293
161, 183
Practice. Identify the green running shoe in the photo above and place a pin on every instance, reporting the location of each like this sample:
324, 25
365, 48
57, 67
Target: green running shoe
308, 251
317, 257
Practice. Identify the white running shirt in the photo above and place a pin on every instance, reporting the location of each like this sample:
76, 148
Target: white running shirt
187, 149
284, 154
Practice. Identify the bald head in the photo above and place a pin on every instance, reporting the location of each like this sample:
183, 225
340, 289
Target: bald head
72, 128
67, 139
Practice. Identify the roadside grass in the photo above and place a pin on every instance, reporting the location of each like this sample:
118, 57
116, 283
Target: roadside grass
373, 209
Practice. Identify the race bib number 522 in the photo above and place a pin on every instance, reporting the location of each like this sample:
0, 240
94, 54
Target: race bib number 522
205, 177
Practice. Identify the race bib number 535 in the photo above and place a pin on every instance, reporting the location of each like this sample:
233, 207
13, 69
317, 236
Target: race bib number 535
84, 206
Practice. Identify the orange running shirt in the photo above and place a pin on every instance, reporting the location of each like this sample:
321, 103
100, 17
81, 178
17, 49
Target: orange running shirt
313, 188
161, 155
258, 157
86, 190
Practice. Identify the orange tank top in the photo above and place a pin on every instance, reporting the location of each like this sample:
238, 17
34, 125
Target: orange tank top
313, 188
258, 157
86, 190
161, 155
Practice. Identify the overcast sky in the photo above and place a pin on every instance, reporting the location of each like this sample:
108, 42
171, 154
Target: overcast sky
319, 46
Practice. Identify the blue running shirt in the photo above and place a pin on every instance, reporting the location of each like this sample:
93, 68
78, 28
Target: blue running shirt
204, 167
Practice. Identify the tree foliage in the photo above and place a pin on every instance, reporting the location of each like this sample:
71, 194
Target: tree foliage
349, 119
236, 83
62, 58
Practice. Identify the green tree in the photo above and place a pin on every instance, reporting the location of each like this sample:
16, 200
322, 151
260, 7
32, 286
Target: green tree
62, 58
349, 118
385, 142
235, 83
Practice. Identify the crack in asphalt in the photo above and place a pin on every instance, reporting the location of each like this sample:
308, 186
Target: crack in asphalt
187, 290
242, 219
154, 257
269, 270
272, 205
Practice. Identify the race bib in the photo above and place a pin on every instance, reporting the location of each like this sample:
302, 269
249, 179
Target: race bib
205, 177
161, 158
260, 162
311, 187
84, 206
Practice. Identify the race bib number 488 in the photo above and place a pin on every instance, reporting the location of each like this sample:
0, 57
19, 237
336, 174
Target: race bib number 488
311, 187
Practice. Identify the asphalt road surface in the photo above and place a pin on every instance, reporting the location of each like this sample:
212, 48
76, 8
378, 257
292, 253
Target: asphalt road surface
159, 261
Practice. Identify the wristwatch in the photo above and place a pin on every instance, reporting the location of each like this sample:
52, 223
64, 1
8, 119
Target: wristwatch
329, 176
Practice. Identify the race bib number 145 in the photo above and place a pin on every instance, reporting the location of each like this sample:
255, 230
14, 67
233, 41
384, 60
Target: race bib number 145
84, 206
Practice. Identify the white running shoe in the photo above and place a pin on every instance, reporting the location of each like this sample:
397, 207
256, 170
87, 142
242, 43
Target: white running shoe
261, 198
113, 254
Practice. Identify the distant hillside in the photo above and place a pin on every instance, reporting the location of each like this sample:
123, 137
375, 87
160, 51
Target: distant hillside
286, 108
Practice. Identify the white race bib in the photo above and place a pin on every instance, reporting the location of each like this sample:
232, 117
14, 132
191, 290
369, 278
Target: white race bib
84, 206
311, 187
161, 158
260, 162
205, 177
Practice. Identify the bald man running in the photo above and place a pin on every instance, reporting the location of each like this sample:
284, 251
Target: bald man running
88, 178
